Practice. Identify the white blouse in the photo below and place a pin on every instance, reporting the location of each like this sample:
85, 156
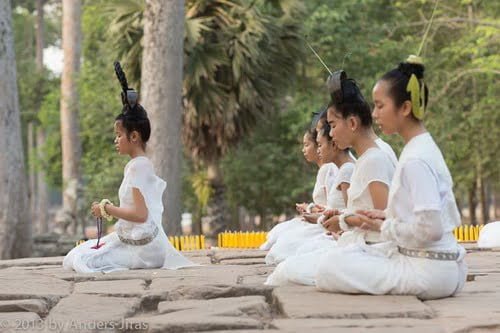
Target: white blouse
139, 173
374, 165
335, 198
324, 180
422, 211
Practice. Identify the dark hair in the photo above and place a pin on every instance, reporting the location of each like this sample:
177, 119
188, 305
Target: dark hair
135, 119
398, 80
325, 127
353, 103
312, 133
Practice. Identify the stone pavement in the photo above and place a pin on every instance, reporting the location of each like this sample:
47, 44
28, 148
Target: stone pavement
226, 294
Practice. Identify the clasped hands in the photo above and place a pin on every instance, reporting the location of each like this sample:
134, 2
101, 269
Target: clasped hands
364, 219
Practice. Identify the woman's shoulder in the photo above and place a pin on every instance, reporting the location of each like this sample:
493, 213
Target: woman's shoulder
375, 155
141, 163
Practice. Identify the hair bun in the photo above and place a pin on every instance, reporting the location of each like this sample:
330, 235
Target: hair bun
351, 91
412, 65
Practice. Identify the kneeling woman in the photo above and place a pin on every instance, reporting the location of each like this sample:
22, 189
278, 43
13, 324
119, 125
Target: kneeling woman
139, 240
422, 257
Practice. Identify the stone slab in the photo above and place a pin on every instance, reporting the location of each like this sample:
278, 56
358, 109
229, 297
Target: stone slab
250, 312
20, 322
16, 284
307, 302
92, 313
31, 262
386, 325
124, 288
25, 305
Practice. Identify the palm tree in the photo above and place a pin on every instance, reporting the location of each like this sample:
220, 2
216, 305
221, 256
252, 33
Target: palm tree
15, 226
239, 56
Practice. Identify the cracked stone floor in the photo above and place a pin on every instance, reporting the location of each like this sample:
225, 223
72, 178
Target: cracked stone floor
226, 294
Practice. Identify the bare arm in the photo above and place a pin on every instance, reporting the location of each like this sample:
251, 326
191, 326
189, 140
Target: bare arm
138, 213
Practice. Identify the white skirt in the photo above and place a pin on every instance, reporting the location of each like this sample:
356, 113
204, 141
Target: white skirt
380, 269
115, 255
302, 268
279, 230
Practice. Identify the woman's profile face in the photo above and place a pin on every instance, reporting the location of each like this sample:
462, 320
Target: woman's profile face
325, 149
309, 149
385, 113
341, 133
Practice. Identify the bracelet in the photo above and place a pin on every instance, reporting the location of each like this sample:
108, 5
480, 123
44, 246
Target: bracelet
104, 213
342, 223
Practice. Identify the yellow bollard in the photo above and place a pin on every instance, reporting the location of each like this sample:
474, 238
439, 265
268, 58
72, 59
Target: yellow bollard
202, 242
472, 233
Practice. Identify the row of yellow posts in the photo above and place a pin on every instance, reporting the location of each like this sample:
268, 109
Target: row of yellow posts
254, 239
188, 243
468, 233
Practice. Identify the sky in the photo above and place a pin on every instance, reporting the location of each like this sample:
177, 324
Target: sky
53, 59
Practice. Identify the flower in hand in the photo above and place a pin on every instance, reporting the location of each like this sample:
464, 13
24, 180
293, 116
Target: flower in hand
95, 209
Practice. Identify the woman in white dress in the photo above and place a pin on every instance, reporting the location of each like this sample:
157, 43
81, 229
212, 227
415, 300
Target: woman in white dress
139, 240
310, 231
350, 119
421, 256
319, 194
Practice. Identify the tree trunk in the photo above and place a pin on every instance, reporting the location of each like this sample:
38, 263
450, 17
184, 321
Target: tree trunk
217, 211
483, 195
15, 224
31, 169
161, 95
70, 139
42, 192
472, 203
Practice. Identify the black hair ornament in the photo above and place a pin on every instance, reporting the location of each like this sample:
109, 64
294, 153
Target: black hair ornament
129, 95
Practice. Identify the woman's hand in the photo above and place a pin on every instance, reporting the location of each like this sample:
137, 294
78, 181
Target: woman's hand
332, 224
311, 218
95, 209
373, 213
368, 223
331, 212
301, 207
318, 209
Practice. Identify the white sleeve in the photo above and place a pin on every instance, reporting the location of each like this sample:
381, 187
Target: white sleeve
424, 226
142, 176
344, 175
379, 168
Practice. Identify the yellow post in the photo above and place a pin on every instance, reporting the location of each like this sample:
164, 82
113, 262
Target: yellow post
472, 233
202, 242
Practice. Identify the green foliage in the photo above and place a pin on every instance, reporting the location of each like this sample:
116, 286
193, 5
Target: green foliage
267, 171
240, 62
